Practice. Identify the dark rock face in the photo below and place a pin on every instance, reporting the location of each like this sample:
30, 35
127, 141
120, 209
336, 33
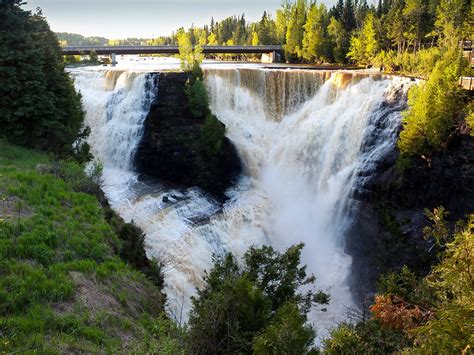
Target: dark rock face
388, 226
170, 150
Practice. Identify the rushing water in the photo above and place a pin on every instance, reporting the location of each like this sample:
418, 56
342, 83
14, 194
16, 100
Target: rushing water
307, 140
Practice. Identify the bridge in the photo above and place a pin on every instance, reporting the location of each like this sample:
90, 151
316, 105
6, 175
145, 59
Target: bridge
271, 51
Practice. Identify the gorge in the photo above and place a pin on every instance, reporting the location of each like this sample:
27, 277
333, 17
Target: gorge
309, 141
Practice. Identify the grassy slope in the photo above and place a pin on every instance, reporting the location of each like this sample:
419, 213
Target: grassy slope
62, 286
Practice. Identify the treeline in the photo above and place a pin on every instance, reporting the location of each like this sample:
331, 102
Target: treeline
74, 39
351, 30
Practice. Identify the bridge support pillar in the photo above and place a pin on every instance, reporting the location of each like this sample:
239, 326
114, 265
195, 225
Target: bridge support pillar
113, 59
272, 57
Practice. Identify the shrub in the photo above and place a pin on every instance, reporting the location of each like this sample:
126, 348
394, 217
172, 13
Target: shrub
198, 98
288, 333
212, 134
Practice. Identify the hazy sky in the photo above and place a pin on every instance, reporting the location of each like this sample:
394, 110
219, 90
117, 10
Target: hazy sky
142, 18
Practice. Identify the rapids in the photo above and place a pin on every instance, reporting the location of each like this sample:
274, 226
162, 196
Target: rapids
307, 139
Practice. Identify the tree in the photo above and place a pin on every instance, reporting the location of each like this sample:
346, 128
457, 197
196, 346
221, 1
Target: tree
432, 108
450, 17
396, 25
212, 39
39, 106
452, 327
414, 16
254, 305
287, 333
315, 37
255, 41
198, 99
348, 16
281, 22
190, 57
295, 29
364, 44
266, 30
339, 41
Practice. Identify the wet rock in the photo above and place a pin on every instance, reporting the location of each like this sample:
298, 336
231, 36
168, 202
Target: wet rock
387, 232
170, 147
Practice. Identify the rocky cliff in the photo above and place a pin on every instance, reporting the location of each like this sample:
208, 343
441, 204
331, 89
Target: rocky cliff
170, 147
387, 232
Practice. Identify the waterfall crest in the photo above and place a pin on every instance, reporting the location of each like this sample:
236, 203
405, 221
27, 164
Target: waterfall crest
307, 140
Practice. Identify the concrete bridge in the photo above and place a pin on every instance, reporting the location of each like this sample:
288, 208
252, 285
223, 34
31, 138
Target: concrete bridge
270, 52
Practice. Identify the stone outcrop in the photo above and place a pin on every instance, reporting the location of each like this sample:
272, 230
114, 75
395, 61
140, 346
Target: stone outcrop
170, 147
388, 228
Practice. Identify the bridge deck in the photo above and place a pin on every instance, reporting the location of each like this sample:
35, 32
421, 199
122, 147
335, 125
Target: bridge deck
101, 50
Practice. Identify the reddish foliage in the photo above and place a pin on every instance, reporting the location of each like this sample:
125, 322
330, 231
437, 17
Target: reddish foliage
394, 312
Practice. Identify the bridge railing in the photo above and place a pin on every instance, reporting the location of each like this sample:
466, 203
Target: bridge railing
171, 49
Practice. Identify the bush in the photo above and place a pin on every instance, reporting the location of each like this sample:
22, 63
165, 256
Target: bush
366, 337
198, 98
212, 134
288, 333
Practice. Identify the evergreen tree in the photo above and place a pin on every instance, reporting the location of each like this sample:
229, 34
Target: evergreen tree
348, 16
433, 106
364, 44
295, 30
315, 38
339, 40
450, 18
414, 16
38, 104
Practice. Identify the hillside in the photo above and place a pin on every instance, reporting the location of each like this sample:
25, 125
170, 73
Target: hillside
63, 286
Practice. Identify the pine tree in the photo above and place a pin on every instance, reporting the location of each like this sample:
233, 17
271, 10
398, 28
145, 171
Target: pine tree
295, 30
38, 104
339, 40
315, 38
364, 44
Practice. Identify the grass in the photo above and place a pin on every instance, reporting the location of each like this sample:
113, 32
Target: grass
63, 285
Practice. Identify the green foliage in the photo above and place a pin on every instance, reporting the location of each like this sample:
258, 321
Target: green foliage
315, 38
212, 134
406, 285
295, 30
452, 327
280, 275
253, 305
198, 98
39, 106
228, 312
438, 230
286, 334
433, 108
443, 303
364, 44
339, 40
365, 337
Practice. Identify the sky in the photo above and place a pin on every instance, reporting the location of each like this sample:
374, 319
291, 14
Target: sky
117, 19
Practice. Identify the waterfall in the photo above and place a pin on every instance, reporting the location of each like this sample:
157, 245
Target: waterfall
307, 139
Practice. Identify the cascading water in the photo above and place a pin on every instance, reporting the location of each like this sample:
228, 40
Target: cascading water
307, 140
